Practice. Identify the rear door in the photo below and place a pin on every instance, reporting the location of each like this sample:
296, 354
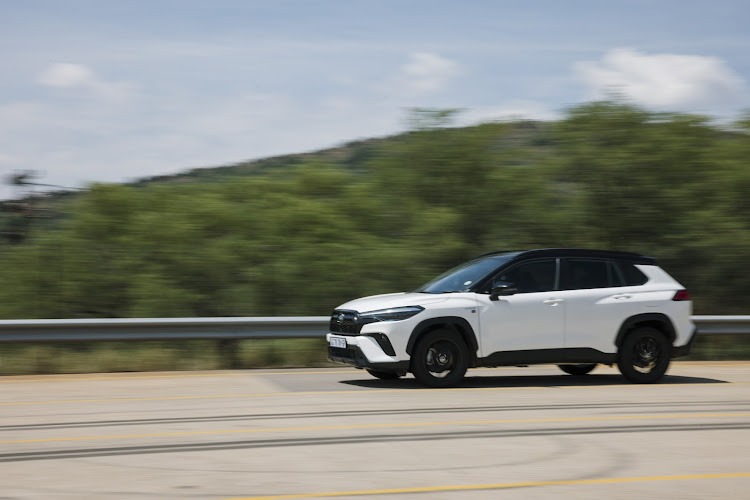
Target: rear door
596, 302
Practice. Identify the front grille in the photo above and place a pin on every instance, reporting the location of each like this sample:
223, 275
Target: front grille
344, 322
340, 352
343, 328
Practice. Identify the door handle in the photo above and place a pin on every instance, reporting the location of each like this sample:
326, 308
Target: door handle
553, 302
621, 297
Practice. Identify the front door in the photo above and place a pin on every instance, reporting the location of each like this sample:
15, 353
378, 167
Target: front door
533, 318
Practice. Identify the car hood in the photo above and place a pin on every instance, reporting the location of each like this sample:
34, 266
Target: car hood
377, 302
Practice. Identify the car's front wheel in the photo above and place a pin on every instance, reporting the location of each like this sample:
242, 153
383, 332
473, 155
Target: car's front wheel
440, 358
581, 369
644, 355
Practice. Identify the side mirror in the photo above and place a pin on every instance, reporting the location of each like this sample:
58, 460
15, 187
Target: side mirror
502, 288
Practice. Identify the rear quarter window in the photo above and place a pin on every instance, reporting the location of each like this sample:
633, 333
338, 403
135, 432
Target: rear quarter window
631, 275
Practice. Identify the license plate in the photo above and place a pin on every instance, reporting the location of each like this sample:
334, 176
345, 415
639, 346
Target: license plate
337, 342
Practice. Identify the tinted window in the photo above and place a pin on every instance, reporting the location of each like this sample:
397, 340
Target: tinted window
466, 275
631, 275
584, 274
534, 276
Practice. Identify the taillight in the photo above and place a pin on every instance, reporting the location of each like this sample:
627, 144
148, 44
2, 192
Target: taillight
681, 295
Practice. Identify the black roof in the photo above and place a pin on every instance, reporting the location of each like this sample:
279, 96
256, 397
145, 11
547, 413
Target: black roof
635, 258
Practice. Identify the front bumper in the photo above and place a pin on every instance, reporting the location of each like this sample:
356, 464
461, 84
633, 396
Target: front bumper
364, 352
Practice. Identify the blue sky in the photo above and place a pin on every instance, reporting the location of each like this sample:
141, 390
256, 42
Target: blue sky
116, 90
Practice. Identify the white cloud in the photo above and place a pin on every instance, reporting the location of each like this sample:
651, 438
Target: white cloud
6, 159
428, 73
78, 76
664, 80
512, 110
67, 76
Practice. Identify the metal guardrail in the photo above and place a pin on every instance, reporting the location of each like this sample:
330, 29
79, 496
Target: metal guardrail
65, 330
722, 325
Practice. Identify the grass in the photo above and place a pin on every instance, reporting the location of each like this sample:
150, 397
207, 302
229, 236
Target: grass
720, 348
101, 357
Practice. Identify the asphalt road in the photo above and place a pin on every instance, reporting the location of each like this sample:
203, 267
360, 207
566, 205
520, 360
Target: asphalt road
515, 433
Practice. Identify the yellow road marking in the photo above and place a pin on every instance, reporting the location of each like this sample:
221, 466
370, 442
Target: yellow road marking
707, 364
259, 394
126, 376
85, 377
140, 377
381, 426
467, 487
360, 391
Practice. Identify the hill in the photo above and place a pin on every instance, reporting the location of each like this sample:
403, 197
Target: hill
299, 234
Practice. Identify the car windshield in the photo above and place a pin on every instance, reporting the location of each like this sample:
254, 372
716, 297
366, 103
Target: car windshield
461, 278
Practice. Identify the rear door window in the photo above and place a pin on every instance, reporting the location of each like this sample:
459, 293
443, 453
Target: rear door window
581, 274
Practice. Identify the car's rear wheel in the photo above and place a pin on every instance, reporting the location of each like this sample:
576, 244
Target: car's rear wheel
440, 358
644, 355
581, 369
383, 375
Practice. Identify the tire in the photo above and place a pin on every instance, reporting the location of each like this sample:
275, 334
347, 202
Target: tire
577, 370
644, 355
440, 359
383, 375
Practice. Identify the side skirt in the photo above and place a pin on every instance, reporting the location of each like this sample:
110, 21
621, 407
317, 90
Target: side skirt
547, 356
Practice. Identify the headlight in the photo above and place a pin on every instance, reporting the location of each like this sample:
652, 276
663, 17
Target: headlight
393, 314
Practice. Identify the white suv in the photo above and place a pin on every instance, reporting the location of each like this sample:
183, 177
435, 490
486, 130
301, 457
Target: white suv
574, 308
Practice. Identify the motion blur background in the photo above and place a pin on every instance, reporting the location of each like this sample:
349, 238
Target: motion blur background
387, 141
